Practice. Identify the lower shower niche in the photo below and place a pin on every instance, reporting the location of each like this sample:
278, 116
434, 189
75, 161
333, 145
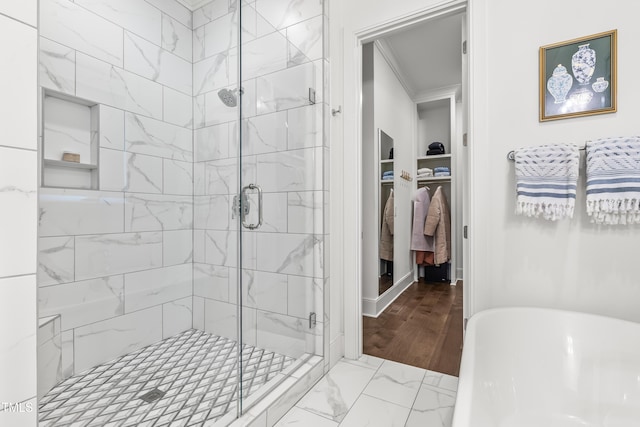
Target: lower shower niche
190, 379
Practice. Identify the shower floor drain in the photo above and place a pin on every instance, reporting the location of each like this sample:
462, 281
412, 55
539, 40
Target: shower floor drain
153, 395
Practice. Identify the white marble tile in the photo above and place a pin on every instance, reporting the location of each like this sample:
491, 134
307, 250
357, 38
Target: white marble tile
48, 328
265, 134
156, 64
300, 417
293, 170
19, 104
177, 247
18, 231
103, 83
221, 248
57, 66
157, 212
304, 296
67, 23
396, 383
177, 177
175, 10
112, 171
64, 212
199, 111
25, 11
111, 127
265, 291
19, 338
67, 354
288, 88
55, 260
67, 127
296, 254
137, 16
103, 255
153, 137
49, 365
432, 408
177, 316
274, 206
211, 143
337, 391
199, 179
214, 73
221, 34
198, 246
177, 38
249, 325
144, 174
221, 177
212, 281
283, 13
221, 318
285, 334
306, 36
304, 127
264, 55
177, 107
372, 412
249, 100
106, 340
156, 286
198, 313
209, 12
212, 212
441, 381
198, 43
305, 212
366, 361
84, 302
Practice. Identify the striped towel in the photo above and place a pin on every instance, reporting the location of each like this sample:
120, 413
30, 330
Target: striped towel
546, 180
613, 180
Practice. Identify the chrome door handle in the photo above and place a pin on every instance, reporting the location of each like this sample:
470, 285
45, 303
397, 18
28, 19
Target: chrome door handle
245, 199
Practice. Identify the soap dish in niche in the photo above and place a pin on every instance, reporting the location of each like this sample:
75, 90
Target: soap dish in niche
71, 157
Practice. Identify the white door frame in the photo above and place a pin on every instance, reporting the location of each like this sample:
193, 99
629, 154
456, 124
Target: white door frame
353, 166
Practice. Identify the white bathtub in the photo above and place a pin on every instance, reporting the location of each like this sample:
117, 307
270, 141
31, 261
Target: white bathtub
532, 367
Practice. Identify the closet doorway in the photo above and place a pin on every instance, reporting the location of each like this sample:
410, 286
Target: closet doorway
413, 122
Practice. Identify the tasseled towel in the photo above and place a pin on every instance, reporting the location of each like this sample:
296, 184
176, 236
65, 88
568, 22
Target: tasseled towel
613, 180
546, 179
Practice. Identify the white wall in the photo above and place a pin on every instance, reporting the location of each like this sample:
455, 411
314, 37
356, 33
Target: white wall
571, 264
18, 213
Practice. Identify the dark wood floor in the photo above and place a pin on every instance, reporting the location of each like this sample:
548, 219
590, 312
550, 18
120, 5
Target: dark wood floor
422, 327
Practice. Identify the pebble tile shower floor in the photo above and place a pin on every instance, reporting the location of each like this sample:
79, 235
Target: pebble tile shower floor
195, 370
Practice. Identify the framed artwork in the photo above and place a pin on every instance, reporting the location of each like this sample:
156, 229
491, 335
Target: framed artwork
578, 77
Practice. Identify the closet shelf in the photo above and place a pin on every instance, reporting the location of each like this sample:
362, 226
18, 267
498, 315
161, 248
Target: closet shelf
386, 181
73, 165
386, 161
435, 178
435, 157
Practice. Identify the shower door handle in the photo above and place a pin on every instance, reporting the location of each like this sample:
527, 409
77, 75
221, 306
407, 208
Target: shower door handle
245, 199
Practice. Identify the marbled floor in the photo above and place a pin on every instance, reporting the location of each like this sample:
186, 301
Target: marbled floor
197, 372
374, 392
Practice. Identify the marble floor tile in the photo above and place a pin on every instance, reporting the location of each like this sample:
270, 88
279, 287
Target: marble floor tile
373, 412
336, 392
433, 408
396, 383
299, 418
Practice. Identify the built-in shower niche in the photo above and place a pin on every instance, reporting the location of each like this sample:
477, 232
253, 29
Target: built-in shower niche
69, 141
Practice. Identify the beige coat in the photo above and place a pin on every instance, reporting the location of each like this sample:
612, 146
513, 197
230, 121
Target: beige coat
386, 234
438, 225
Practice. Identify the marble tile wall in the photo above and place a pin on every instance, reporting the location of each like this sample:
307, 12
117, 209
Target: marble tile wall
115, 263
18, 216
283, 151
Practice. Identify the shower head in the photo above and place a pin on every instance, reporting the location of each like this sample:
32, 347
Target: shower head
228, 97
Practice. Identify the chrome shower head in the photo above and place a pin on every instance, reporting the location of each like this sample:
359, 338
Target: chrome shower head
228, 97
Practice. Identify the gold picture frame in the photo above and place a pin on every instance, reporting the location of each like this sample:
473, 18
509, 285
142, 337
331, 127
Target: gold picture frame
578, 77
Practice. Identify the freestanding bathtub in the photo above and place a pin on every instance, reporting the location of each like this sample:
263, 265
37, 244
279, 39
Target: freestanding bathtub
533, 367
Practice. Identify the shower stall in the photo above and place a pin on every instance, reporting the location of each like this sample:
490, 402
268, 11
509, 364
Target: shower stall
182, 274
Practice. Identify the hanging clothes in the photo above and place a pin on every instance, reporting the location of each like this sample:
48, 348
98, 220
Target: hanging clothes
438, 225
422, 244
386, 235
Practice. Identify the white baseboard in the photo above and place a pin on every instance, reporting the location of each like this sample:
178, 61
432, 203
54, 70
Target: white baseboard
336, 350
374, 307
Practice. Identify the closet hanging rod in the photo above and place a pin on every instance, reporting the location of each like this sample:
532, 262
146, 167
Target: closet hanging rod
511, 155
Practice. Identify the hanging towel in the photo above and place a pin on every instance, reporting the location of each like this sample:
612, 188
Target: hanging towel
546, 180
613, 180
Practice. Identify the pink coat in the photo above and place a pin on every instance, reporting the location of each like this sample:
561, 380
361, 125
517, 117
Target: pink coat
438, 224
419, 241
